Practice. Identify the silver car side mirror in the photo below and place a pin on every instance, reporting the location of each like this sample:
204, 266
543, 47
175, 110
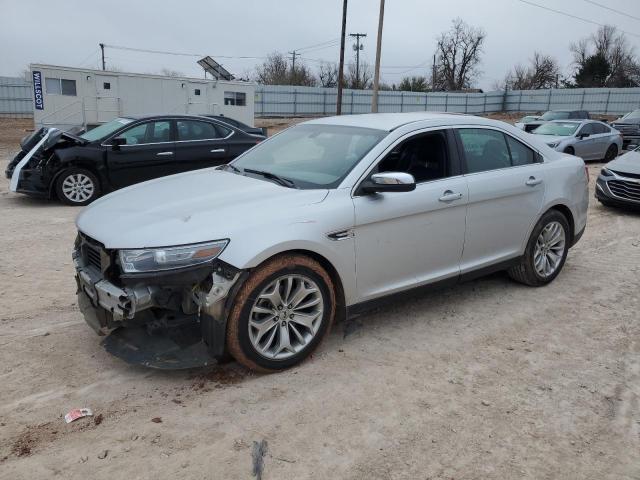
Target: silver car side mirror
389, 182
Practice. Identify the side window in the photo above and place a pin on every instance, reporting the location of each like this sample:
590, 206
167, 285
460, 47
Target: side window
60, 86
135, 134
484, 149
600, 128
235, 98
159, 132
223, 131
149, 132
195, 130
587, 129
520, 153
425, 157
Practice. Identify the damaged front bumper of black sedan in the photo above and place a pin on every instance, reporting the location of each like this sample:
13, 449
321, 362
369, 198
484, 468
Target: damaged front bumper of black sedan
169, 319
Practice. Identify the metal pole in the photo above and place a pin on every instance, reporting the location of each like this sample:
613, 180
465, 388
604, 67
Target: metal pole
433, 74
357, 35
102, 51
341, 68
376, 77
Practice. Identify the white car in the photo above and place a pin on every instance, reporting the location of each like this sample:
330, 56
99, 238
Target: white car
322, 221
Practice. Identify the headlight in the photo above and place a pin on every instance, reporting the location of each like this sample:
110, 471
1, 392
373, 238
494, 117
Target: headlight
553, 145
170, 258
606, 172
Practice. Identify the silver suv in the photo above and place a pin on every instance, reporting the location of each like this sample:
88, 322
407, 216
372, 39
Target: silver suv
322, 221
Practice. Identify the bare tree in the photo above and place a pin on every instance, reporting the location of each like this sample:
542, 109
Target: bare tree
276, 70
543, 71
328, 75
273, 71
366, 76
459, 52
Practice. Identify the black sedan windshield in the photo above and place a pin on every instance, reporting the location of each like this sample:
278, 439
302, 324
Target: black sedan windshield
105, 129
312, 156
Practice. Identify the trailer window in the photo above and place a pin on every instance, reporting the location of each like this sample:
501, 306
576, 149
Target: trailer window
238, 99
60, 86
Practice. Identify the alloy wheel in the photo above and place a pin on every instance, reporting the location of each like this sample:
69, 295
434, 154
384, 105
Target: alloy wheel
78, 187
286, 317
549, 250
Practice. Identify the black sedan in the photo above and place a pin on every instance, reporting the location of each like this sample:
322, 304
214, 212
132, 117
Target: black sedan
127, 150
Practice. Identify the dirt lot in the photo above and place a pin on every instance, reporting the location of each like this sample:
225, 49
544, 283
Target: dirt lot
488, 380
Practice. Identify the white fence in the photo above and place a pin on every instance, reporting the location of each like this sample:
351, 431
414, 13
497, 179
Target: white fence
286, 101
16, 99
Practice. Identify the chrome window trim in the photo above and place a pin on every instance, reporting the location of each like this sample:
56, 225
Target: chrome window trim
174, 141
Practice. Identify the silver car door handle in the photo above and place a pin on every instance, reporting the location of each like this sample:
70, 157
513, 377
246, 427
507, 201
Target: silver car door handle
164, 154
218, 150
449, 196
533, 181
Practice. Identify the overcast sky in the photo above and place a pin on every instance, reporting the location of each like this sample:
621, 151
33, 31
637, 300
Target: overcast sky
68, 33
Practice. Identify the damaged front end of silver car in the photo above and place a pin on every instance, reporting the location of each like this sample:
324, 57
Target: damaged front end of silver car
168, 320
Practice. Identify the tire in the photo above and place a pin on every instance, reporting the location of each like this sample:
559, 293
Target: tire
262, 349
526, 272
77, 186
612, 152
570, 150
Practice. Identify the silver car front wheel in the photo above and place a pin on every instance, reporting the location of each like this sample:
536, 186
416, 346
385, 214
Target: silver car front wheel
286, 317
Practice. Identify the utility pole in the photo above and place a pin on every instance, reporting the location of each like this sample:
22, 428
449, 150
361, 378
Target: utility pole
341, 68
102, 50
293, 65
357, 47
433, 74
376, 75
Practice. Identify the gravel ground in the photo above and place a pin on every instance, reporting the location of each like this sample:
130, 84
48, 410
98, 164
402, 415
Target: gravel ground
488, 380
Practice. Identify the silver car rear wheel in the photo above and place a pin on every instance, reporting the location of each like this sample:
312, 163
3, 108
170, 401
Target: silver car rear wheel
549, 249
286, 317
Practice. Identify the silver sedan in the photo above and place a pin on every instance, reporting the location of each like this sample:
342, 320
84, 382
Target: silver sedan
587, 139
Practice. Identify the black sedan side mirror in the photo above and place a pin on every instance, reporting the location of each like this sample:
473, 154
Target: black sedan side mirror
389, 182
117, 142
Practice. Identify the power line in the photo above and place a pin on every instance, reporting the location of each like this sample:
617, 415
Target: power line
181, 54
318, 44
612, 9
573, 16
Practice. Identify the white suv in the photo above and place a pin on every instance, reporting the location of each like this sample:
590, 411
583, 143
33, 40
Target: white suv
257, 258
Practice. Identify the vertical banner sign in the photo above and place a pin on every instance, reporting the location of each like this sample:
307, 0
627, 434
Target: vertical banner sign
38, 98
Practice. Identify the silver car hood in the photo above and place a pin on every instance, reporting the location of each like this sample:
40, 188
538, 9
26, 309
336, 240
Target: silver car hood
188, 208
627, 163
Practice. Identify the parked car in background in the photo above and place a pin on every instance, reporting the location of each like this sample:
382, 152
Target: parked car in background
619, 181
555, 115
588, 139
127, 150
242, 126
324, 220
629, 126
526, 119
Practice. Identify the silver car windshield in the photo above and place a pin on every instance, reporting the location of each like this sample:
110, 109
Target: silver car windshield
562, 129
105, 129
312, 156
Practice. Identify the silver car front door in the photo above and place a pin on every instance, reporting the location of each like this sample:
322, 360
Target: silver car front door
412, 238
506, 190
587, 148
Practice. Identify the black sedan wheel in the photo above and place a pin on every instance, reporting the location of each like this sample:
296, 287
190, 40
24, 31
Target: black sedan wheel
77, 186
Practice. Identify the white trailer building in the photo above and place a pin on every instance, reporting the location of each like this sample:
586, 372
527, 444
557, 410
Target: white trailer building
66, 97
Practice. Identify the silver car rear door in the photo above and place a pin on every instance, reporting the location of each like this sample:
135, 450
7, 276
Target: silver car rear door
412, 238
506, 191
